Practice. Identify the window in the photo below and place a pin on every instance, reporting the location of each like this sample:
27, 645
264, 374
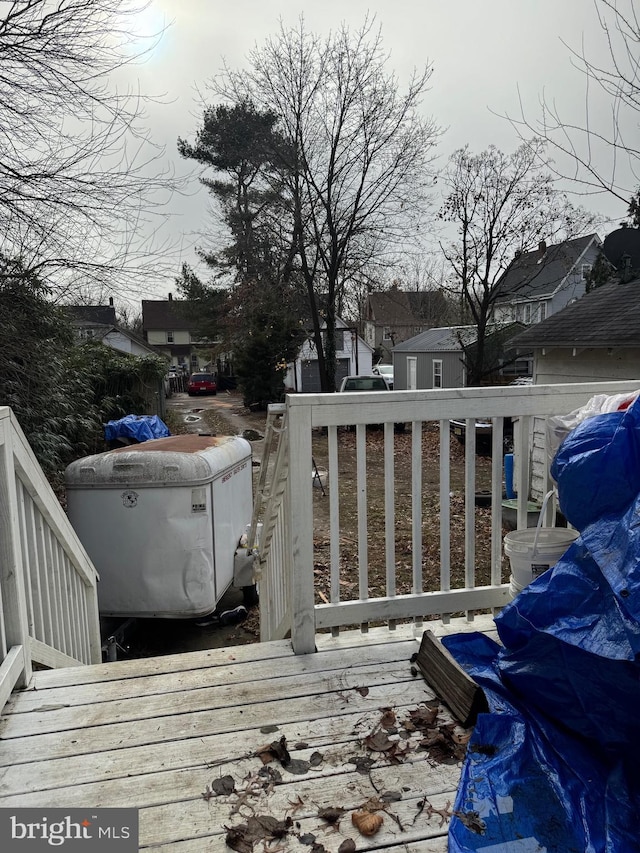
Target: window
542, 314
586, 271
386, 333
437, 373
526, 314
169, 337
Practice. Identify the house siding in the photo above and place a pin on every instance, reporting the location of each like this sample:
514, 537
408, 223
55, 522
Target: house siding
590, 365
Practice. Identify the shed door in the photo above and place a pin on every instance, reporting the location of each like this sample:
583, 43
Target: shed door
311, 375
412, 373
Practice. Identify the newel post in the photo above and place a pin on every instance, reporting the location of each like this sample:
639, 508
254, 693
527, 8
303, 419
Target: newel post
12, 591
301, 525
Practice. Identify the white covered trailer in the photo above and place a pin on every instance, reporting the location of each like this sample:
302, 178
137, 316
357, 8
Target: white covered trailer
162, 521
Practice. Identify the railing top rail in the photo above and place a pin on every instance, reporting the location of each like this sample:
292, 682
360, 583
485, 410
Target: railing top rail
490, 401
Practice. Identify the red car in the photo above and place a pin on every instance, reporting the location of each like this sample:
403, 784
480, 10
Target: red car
201, 383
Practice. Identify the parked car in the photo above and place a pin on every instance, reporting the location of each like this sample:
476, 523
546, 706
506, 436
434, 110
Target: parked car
364, 383
201, 383
385, 370
368, 383
484, 434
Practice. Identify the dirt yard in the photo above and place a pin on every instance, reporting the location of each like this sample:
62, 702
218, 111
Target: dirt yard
403, 514
235, 418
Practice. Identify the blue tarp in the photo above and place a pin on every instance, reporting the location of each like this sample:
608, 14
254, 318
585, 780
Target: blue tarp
555, 765
139, 427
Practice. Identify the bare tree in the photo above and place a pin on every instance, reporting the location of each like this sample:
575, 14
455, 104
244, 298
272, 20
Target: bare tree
600, 152
78, 175
357, 156
501, 205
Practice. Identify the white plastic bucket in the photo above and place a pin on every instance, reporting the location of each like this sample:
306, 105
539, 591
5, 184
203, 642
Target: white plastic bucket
534, 550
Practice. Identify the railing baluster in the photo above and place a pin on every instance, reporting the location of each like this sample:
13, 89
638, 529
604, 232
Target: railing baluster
445, 509
334, 513
361, 504
389, 512
497, 447
416, 505
334, 517
470, 505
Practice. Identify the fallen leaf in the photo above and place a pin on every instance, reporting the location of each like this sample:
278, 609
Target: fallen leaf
367, 823
332, 815
297, 766
363, 763
388, 719
316, 758
347, 846
236, 840
277, 749
379, 741
223, 786
363, 691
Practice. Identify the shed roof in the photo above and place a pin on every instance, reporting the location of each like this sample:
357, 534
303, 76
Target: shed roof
444, 339
606, 317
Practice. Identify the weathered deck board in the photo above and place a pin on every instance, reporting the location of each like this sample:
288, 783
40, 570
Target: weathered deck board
156, 733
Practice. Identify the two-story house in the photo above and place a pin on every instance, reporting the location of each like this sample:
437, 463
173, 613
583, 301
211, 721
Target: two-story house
396, 315
169, 329
99, 323
540, 283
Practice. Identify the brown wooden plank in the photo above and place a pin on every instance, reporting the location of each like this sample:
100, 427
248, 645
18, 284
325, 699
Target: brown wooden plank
449, 681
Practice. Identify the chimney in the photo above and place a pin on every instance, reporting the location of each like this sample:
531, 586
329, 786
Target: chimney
111, 301
171, 297
542, 246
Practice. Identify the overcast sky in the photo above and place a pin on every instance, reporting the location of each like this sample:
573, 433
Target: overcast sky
486, 55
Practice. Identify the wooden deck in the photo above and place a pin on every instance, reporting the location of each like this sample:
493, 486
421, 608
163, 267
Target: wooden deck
159, 734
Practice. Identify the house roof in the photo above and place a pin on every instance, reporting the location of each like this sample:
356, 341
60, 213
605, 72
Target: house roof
93, 315
404, 307
164, 314
444, 339
606, 317
542, 271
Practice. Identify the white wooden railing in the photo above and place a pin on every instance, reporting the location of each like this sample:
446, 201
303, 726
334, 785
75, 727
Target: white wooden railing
48, 600
287, 571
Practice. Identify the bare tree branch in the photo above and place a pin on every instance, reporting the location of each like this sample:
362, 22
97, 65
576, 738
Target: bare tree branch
79, 177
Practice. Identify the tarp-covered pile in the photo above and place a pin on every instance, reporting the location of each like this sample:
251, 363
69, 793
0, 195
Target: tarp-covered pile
555, 766
136, 428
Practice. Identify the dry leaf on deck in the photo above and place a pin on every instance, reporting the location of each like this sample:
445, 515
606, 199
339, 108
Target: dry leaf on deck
332, 815
367, 823
277, 749
388, 718
379, 741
